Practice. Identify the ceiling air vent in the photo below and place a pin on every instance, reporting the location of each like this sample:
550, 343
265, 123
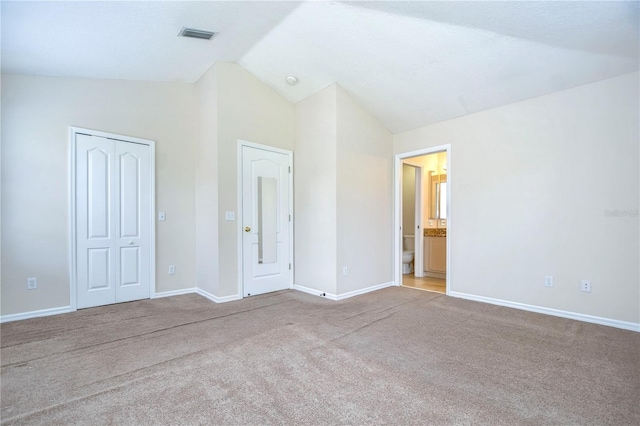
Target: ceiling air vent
190, 32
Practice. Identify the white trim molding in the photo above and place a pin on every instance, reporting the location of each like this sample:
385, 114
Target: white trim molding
342, 296
313, 291
217, 299
174, 292
364, 290
67, 309
625, 325
199, 291
35, 314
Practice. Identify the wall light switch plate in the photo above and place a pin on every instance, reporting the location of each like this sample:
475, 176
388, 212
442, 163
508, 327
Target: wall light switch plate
230, 216
162, 216
172, 269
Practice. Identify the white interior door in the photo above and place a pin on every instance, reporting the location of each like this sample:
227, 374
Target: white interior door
133, 221
265, 214
113, 221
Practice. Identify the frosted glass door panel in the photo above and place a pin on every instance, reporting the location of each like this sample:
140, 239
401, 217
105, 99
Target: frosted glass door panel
267, 220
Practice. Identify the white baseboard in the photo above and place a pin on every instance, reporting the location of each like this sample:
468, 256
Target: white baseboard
364, 290
174, 292
314, 292
342, 296
550, 311
35, 314
217, 299
199, 291
67, 309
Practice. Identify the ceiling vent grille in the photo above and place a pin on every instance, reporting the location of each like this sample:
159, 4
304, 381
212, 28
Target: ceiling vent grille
193, 33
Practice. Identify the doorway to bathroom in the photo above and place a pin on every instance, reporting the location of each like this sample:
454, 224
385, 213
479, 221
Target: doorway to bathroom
423, 194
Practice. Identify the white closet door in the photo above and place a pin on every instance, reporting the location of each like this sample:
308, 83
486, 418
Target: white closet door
133, 209
96, 221
113, 208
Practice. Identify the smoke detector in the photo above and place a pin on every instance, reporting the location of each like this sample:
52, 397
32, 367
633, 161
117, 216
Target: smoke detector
292, 80
193, 33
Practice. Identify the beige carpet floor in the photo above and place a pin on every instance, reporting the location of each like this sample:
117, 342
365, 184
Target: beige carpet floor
395, 356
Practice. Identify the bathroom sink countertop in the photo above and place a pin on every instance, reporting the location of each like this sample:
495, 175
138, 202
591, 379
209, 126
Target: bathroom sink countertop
435, 232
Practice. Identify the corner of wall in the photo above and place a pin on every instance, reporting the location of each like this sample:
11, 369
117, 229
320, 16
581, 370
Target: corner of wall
315, 192
207, 271
343, 163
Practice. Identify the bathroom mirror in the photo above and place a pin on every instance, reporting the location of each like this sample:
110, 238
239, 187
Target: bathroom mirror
438, 197
267, 219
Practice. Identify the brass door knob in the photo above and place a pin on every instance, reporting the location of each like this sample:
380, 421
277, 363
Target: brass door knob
247, 229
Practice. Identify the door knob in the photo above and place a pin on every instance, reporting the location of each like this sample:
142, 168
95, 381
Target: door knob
130, 243
247, 229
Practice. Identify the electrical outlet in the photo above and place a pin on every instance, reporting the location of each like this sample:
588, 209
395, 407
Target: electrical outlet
548, 281
230, 216
585, 286
345, 271
172, 269
32, 283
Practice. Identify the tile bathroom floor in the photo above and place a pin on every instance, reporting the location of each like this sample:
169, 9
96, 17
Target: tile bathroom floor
438, 285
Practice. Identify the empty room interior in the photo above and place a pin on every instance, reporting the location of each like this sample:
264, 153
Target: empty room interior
320, 212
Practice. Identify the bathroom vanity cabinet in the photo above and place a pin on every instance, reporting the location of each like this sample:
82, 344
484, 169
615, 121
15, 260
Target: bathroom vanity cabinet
435, 254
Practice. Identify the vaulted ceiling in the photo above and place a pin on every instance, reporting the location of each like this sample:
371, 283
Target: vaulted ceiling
408, 63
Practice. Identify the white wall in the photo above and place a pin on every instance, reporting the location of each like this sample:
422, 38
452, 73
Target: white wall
36, 115
315, 203
206, 183
538, 176
343, 207
248, 110
364, 197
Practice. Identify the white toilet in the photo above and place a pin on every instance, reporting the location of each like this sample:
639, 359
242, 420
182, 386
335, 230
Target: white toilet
407, 253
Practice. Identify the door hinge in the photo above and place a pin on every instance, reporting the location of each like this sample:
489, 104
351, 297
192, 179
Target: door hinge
289, 218
289, 169
289, 266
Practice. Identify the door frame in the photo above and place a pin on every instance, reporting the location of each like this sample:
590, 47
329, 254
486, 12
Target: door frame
418, 225
73, 132
239, 230
397, 222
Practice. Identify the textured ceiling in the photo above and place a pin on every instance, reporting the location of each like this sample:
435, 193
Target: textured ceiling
132, 40
408, 63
